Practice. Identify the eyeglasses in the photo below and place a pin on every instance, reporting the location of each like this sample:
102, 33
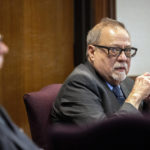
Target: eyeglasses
116, 51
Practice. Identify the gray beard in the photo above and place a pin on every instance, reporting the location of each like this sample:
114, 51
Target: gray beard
119, 76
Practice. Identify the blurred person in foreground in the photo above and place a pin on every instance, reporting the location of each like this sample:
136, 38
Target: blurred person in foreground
11, 137
99, 88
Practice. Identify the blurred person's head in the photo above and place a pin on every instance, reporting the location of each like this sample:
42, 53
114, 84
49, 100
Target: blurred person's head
109, 50
3, 51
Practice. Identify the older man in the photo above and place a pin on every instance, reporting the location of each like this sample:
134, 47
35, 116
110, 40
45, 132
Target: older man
99, 88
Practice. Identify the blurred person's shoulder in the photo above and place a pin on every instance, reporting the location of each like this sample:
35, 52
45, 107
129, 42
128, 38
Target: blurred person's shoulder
12, 137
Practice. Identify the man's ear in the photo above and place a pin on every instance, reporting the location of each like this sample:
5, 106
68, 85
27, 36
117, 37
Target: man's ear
91, 50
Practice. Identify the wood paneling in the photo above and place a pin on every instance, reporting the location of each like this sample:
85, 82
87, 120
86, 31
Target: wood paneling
87, 13
104, 8
40, 38
83, 22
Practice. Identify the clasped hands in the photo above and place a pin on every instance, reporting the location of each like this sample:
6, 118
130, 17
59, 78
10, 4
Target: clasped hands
140, 91
142, 86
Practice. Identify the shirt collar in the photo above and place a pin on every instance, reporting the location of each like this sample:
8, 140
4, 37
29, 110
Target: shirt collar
110, 86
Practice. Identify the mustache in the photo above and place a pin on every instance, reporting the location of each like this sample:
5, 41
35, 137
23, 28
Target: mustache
120, 65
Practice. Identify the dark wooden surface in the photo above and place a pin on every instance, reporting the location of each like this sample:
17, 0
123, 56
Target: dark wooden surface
40, 38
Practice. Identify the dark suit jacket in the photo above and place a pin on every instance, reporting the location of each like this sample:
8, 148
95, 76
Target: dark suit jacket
11, 137
85, 98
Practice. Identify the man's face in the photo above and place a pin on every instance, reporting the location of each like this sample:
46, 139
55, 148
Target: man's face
113, 69
3, 51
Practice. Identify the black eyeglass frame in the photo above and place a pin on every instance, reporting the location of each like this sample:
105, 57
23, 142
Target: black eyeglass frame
120, 50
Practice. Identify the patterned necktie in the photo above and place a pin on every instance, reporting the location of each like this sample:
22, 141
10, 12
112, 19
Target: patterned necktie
118, 93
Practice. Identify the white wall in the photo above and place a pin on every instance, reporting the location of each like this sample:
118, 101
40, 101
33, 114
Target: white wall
135, 14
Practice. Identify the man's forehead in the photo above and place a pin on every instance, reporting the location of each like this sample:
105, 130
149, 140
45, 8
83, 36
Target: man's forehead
113, 29
114, 33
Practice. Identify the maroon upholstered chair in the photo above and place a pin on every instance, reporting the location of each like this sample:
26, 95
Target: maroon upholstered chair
38, 106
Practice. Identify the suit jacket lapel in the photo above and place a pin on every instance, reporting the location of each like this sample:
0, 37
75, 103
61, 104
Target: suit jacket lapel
125, 91
6, 118
114, 104
14, 134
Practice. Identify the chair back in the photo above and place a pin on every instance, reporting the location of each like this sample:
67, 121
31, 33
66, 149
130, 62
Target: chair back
38, 106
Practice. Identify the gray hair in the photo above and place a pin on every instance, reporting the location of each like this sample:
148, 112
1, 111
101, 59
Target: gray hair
94, 34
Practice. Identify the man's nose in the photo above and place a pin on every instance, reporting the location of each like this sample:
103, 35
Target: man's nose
122, 56
3, 48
